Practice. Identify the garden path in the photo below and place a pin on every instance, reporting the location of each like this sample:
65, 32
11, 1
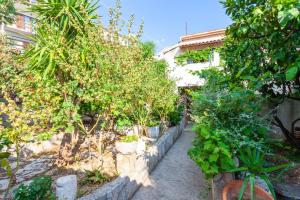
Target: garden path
176, 177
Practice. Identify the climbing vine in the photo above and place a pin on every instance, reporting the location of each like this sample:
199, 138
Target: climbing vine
196, 56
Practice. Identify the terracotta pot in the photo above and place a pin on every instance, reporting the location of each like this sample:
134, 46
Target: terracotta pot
232, 190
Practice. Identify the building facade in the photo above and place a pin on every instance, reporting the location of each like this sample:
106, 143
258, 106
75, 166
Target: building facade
22, 28
183, 75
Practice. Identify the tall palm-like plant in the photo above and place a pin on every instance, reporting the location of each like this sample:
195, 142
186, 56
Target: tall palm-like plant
7, 11
253, 163
58, 24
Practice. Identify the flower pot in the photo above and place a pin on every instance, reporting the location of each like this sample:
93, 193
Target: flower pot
153, 132
126, 148
137, 129
232, 190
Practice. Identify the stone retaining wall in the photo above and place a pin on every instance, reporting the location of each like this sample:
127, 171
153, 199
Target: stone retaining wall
127, 184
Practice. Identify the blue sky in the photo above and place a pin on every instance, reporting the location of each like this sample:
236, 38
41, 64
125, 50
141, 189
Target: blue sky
165, 19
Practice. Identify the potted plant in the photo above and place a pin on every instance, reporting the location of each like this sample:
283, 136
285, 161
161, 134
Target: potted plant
127, 144
153, 129
233, 188
253, 166
124, 126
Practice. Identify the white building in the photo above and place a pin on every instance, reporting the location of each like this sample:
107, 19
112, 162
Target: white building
199, 41
19, 31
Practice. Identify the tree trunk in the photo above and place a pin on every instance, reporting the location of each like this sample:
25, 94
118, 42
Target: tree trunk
69, 147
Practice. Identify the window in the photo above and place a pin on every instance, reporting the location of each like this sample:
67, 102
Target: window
28, 23
20, 21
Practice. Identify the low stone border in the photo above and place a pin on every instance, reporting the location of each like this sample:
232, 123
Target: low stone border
126, 185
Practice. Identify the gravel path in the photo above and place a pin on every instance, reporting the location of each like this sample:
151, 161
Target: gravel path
176, 177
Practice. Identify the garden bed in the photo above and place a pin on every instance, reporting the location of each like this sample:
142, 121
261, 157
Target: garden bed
116, 168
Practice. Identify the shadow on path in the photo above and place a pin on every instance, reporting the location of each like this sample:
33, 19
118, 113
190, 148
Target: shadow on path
176, 177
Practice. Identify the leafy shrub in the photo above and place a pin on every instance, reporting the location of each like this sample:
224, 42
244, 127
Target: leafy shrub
38, 189
94, 177
225, 116
263, 53
174, 117
195, 56
254, 164
123, 122
234, 112
78, 68
129, 138
4, 154
210, 153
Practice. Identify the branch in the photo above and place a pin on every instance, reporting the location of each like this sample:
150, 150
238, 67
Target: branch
95, 125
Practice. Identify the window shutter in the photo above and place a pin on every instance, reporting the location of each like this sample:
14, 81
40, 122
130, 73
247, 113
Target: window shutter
20, 21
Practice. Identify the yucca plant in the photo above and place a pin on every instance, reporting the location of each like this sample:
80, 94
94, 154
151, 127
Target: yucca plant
253, 164
58, 23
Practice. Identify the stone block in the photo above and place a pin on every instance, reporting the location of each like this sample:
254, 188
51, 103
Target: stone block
117, 192
125, 163
161, 148
33, 169
141, 147
108, 191
136, 179
4, 184
152, 155
66, 188
168, 141
141, 164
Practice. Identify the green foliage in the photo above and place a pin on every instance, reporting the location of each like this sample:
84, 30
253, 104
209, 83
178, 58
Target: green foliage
231, 110
7, 11
196, 56
123, 123
226, 116
4, 155
94, 177
261, 44
38, 189
209, 151
76, 68
253, 163
9, 66
148, 49
129, 138
174, 117
82, 68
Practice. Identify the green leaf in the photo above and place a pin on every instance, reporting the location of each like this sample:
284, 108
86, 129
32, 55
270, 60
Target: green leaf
275, 168
258, 11
243, 188
4, 155
270, 186
213, 157
252, 182
291, 73
294, 12
70, 129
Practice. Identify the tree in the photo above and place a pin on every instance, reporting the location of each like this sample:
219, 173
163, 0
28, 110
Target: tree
7, 11
261, 44
261, 49
78, 69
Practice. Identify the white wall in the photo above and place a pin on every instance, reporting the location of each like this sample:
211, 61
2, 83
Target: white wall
183, 74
